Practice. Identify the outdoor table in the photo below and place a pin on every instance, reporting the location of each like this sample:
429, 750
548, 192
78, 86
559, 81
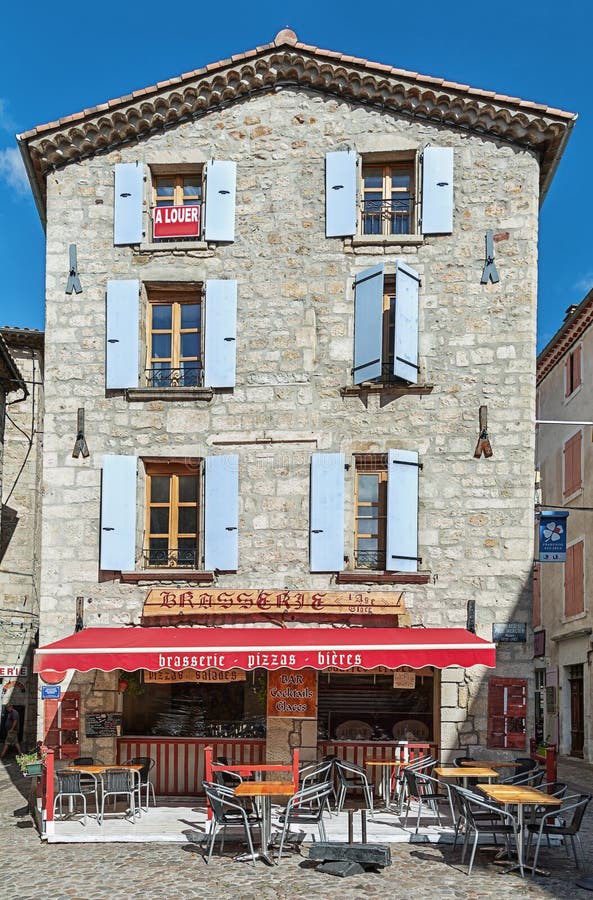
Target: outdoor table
519, 796
99, 770
387, 766
266, 790
466, 772
490, 763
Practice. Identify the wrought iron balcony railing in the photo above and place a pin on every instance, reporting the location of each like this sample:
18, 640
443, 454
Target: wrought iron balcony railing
370, 559
188, 376
395, 216
171, 558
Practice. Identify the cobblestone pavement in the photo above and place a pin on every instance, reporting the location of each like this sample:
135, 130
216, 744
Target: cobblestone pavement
33, 870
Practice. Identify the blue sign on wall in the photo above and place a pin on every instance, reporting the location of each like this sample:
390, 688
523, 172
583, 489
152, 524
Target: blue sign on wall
552, 535
51, 692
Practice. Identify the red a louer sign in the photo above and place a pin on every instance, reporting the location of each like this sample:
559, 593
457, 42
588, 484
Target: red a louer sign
177, 221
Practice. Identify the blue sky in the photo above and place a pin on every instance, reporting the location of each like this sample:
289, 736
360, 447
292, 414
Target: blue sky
72, 56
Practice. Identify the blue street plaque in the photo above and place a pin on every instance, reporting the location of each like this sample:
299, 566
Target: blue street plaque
51, 692
552, 535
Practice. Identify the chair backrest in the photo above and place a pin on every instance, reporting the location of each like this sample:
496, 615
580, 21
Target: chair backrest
460, 760
68, 781
578, 811
316, 772
147, 763
118, 781
524, 764
82, 761
220, 800
225, 778
345, 769
411, 782
314, 797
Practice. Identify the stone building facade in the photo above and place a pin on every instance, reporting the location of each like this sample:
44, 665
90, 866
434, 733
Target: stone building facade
20, 523
563, 619
276, 113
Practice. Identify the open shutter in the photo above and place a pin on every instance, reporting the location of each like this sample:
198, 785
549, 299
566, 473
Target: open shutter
507, 708
220, 343
340, 193
437, 190
402, 511
368, 324
221, 515
405, 357
123, 345
326, 540
221, 183
118, 513
127, 211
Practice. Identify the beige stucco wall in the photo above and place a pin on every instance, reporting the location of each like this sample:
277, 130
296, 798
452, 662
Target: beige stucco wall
294, 353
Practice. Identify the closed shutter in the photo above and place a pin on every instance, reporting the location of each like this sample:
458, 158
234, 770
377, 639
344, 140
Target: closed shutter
567, 384
221, 514
574, 580
405, 358
576, 376
221, 186
61, 725
437, 190
220, 344
340, 193
326, 526
402, 511
368, 324
127, 210
118, 513
537, 612
507, 710
122, 349
573, 477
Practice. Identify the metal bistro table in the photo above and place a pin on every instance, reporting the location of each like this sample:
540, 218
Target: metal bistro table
100, 769
466, 773
266, 790
519, 796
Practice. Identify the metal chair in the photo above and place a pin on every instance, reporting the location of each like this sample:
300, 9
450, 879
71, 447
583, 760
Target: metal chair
496, 821
458, 811
305, 807
352, 777
426, 792
554, 823
147, 763
422, 764
70, 786
227, 811
119, 783
315, 773
81, 761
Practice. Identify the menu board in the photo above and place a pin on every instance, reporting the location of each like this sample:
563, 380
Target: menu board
292, 694
103, 724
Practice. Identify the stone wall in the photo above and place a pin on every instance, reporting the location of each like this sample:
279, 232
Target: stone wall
294, 353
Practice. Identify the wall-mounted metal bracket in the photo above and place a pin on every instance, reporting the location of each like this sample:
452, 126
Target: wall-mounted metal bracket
490, 272
73, 283
483, 446
80, 447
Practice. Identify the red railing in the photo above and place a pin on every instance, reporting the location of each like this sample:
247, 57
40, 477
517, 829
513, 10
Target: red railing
180, 762
360, 752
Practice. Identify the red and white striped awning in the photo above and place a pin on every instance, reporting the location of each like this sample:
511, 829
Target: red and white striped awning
132, 648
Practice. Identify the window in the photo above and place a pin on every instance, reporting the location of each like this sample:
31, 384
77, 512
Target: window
574, 594
573, 473
572, 372
507, 710
387, 205
174, 338
177, 203
371, 511
172, 514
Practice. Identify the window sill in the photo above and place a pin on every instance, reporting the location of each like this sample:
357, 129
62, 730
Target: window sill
360, 577
148, 395
167, 575
385, 240
170, 246
392, 388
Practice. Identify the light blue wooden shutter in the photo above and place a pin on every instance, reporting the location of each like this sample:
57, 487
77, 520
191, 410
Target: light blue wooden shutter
220, 342
340, 193
221, 183
405, 360
127, 211
437, 190
368, 324
402, 511
123, 343
221, 515
118, 513
327, 512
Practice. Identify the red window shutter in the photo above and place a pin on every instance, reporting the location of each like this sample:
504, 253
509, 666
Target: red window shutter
62, 725
537, 611
573, 479
567, 386
576, 368
507, 709
574, 590
569, 581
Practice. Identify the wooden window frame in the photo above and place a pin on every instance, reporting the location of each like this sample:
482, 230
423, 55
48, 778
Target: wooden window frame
371, 464
573, 371
504, 711
405, 165
173, 469
175, 296
178, 174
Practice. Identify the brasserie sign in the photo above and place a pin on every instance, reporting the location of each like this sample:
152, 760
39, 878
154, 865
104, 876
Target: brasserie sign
184, 602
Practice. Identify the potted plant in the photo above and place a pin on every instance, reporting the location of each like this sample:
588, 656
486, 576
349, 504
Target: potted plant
30, 763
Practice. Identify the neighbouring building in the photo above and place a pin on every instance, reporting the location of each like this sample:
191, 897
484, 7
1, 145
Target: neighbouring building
562, 614
284, 292
21, 415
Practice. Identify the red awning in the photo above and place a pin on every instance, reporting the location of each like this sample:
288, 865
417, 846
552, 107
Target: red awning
268, 648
